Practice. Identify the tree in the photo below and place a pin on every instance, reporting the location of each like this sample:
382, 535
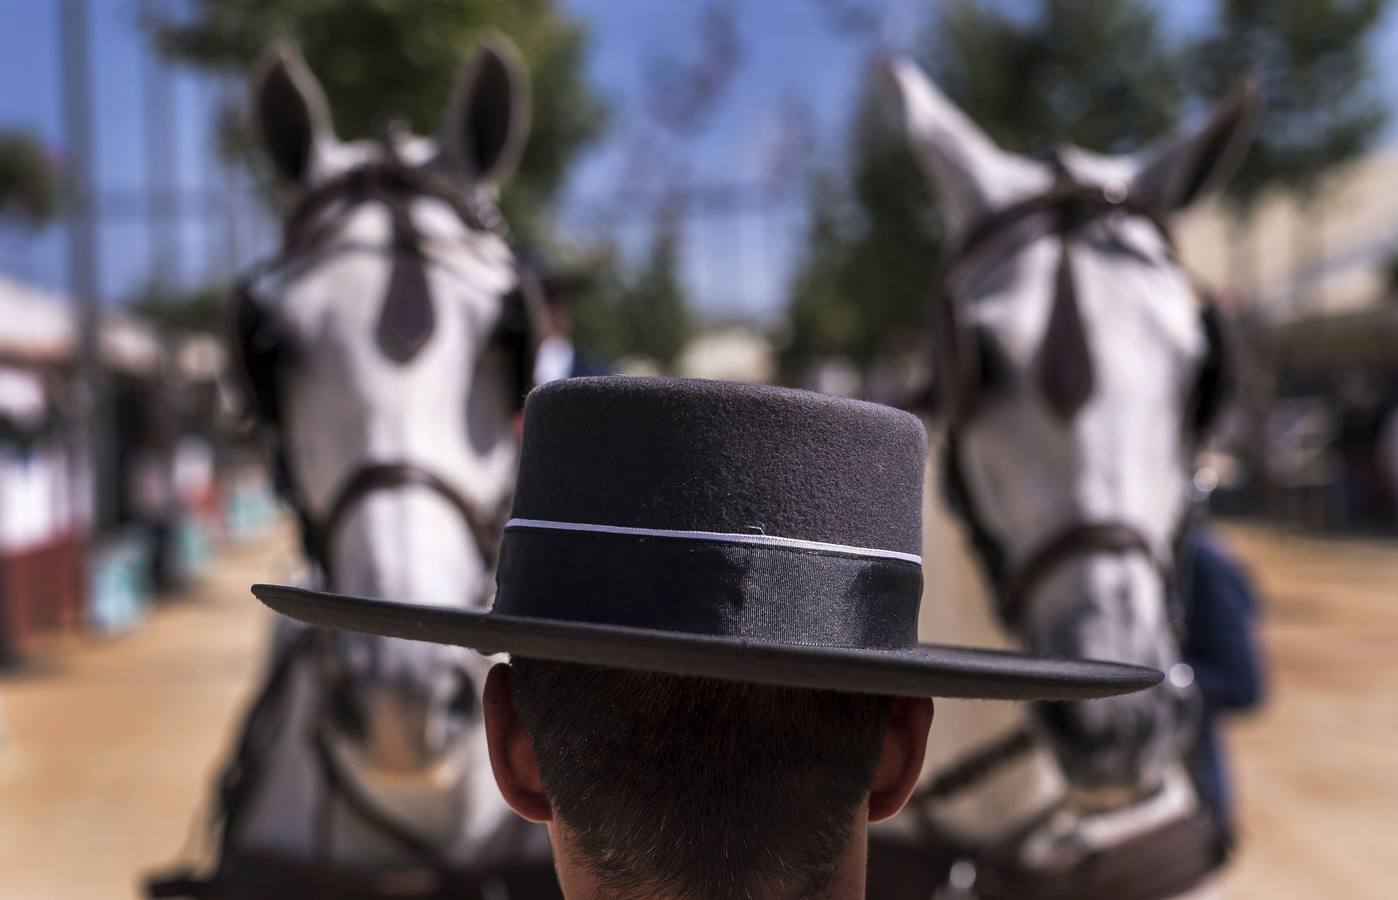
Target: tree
1098, 75
821, 322
872, 249
657, 316
1095, 74
397, 59
28, 186
1319, 105
201, 310
642, 313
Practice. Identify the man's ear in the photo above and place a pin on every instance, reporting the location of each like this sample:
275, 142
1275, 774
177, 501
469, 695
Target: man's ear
900, 762
512, 751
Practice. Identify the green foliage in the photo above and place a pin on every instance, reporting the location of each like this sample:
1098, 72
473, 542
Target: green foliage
657, 315
821, 321
28, 185
397, 58
872, 249
1095, 74
641, 314
1098, 75
198, 311
1319, 106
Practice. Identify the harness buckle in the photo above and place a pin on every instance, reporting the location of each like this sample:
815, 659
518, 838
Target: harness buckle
960, 883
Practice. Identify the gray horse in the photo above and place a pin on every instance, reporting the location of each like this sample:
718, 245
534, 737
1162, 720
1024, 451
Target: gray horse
1078, 369
386, 349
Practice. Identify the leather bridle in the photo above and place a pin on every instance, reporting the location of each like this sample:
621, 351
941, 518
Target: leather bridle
405, 324
1066, 380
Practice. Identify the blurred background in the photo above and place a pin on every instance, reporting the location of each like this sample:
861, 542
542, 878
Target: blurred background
740, 202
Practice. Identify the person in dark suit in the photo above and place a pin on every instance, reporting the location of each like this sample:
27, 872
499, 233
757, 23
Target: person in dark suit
1220, 646
557, 356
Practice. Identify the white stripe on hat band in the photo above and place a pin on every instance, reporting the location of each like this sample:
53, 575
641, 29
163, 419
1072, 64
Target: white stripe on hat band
765, 540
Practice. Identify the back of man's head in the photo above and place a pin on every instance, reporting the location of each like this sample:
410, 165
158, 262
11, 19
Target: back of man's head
699, 788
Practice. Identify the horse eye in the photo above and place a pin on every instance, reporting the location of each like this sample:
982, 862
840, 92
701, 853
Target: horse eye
347, 711
993, 370
465, 702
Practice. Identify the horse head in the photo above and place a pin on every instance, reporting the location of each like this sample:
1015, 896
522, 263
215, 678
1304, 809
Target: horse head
387, 351
1079, 367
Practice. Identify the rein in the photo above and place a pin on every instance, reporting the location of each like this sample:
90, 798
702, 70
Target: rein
341, 785
265, 721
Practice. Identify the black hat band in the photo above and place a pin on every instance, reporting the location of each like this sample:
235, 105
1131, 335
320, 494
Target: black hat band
753, 586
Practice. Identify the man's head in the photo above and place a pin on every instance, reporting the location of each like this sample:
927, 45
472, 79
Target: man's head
660, 785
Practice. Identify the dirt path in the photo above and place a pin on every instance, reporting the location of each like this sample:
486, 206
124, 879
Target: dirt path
1318, 769
111, 744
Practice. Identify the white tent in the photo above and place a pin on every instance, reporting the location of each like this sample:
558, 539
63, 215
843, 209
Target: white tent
39, 327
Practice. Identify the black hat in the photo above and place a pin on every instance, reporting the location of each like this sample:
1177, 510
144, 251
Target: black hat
723, 530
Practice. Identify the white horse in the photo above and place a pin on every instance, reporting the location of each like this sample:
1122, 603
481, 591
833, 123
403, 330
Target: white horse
384, 350
1075, 360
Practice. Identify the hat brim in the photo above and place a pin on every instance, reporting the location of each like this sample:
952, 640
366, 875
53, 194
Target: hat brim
927, 670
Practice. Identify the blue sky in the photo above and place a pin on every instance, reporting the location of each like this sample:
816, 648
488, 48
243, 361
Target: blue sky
792, 68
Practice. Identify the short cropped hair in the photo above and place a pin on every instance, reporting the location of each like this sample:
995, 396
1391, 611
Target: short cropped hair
700, 788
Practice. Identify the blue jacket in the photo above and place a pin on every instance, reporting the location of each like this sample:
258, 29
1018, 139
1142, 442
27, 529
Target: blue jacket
1220, 646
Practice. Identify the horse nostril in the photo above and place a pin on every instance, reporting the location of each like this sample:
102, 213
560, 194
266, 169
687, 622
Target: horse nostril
1062, 722
347, 711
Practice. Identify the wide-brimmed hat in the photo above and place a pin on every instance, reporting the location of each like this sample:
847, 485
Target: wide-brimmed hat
723, 530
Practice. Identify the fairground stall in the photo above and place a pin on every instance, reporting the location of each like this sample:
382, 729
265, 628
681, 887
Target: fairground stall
73, 556
43, 513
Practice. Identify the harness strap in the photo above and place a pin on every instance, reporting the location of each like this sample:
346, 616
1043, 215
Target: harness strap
975, 768
1160, 863
339, 784
1073, 205
241, 775
383, 178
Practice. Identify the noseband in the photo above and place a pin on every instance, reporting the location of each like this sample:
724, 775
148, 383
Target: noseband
373, 477
1065, 379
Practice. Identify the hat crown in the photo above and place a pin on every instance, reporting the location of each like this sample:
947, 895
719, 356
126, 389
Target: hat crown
690, 455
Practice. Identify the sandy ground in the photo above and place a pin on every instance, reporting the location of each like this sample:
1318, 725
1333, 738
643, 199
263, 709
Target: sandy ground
1318, 769
112, 743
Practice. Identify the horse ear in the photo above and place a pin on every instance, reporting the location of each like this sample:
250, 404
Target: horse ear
487, 119
965, 165
1186, 167
291, 116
